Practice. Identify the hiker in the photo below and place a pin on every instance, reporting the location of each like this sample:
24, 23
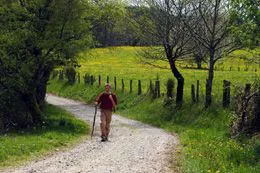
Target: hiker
108, 102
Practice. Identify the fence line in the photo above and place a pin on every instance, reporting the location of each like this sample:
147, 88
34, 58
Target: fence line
153, 90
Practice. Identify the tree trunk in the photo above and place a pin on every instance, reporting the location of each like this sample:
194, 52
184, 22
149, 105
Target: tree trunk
33, 108
209, 81
42, 87
180, 83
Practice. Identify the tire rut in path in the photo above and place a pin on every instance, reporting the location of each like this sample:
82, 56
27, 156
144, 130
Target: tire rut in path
134, 147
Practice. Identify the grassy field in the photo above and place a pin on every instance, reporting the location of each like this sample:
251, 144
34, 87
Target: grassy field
62, 130
124, 63
205, 143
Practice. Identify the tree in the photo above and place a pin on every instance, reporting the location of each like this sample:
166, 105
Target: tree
35, 37
200, 53
165, 22
211, 28
246, 26
108, 13
126, 31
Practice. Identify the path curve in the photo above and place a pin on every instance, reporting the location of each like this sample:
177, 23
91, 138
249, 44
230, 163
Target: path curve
134, 147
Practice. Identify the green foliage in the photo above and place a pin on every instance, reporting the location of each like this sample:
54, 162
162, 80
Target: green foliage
24, 145
61, 75
108, 13
35, 37
246, 18
247, 111
170, 86
55, 74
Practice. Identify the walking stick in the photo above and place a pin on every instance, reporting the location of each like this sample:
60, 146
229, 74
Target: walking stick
93, 126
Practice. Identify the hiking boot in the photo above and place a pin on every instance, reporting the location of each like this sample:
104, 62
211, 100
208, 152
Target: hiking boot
103, 139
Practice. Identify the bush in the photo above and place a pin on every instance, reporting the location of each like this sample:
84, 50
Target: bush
14, 112
89, 79
61, 75
71, 75
170, 85
1, 123
247, 110
55, 74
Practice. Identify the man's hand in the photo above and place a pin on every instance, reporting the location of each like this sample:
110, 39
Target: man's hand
96, 103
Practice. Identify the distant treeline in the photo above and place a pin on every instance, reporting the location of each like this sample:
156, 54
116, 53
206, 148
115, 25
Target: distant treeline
122, 29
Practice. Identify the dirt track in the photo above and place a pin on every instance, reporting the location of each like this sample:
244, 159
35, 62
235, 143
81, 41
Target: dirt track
133, 148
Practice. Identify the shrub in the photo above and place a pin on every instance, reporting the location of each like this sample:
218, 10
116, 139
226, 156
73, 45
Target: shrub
61, 75
14, 111
55, 74
71, 75
89, 79
247, 110
169, 86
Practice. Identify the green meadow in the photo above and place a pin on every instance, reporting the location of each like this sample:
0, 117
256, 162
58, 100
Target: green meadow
61, 130
205, 144
125, 63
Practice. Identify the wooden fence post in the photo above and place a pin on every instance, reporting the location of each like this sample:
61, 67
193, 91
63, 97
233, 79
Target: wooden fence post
107, 79
99, 80
247, 89
151, 89
92, 80
78, 77
131, 86
226, 93
157, 88
115, 83
193, 97
139, 87
123, 85
198, 91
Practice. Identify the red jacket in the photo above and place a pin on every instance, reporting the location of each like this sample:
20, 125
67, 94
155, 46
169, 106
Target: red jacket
105, 101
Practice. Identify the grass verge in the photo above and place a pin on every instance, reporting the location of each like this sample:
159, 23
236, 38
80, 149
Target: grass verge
62, 130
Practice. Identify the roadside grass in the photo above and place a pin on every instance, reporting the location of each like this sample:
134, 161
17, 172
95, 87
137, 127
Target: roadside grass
204, 133
206, 145
62, 130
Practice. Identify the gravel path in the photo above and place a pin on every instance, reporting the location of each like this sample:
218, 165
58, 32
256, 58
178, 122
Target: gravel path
133, 147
